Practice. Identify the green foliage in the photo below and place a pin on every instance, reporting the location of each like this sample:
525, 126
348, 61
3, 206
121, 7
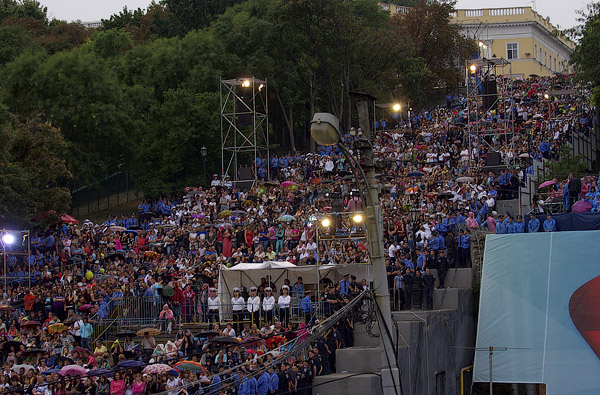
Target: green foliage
567, 164
23, 9
110, 43
587, 52
14, 40
437, 42
32, 170
141, 93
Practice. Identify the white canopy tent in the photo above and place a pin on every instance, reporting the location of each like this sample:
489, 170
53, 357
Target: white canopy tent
249, 274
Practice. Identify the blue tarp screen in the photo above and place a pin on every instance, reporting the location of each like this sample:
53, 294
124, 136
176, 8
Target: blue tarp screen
540, 299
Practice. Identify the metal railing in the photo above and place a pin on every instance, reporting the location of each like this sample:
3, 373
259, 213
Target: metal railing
136, 312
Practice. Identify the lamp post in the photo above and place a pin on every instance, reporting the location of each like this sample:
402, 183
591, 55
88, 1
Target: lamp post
203, 152
414, 219
325, 131
6, 239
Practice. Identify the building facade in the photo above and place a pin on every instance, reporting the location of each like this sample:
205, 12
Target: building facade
520, 35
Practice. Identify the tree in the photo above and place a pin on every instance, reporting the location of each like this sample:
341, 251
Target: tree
567, 164
33, 172
14, 40
195, 14
587, 52
169, 155
438, 42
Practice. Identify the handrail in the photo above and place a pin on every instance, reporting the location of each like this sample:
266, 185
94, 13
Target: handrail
114, 320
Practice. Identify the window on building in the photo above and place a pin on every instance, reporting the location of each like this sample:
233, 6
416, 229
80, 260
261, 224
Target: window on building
535, 52
555, 69
540, 57
545, 58
512, 51
550, 65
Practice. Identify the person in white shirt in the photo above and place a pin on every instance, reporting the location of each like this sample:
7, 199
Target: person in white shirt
237, 306
268, 304
254, 306
229, 331
213, 305
173, 384
284, 305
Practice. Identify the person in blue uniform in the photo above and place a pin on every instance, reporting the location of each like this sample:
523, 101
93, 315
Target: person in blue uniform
549, 224
534, 224
519, 225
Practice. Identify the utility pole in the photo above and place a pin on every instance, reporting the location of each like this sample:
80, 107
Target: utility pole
390, 376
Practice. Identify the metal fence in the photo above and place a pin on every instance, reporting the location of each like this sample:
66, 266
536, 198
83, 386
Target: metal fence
114, 190
133, 312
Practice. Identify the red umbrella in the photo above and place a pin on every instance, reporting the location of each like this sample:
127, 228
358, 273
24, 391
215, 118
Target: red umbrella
66, 218
86, 307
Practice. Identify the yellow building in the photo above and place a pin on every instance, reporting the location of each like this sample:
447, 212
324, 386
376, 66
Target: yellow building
520, 35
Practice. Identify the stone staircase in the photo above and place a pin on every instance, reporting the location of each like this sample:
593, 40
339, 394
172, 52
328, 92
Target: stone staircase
428, 342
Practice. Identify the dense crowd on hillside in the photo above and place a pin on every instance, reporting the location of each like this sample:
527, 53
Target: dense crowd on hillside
167, 255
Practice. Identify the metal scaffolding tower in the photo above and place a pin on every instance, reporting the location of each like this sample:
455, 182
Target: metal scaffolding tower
244, 128
477, 72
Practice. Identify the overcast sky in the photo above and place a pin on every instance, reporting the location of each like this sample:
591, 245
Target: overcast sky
560, 12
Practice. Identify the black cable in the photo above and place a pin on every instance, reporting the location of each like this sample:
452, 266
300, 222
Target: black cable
387, 331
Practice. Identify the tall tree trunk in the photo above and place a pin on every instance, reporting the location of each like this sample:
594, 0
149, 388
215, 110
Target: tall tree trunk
311, 98
289, 120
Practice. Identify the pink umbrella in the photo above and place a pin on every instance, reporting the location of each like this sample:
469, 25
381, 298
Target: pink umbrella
547, 184
86, 307
72, 370
286, 184
157, 368
582, 206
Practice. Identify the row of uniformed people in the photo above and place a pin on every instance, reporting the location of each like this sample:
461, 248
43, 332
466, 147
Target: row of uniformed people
254, 305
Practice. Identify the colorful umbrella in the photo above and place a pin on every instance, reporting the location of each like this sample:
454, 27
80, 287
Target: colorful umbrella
72, 370
190, 365
286, 218
150, 331
224, 214
547, 184
116, 228
30, 324
275, 341
287, 184
464, 179
56, 328
156, 368
85, 307
582, 206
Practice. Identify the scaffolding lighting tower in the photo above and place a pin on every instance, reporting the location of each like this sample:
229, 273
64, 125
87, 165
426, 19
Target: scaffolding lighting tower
244, 126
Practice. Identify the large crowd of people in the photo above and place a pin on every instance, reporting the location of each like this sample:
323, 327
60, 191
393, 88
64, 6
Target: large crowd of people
167, 255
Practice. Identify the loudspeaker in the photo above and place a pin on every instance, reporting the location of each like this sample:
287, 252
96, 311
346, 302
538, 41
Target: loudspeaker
244, 110
246, 173
489, 93
493, 159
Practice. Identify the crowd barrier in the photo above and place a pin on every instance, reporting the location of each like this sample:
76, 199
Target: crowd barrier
133, 312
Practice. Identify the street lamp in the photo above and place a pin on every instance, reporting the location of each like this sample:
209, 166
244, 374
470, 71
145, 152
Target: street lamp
357, 218
325, 130
396, 107
7, 239
413, 215
203, 153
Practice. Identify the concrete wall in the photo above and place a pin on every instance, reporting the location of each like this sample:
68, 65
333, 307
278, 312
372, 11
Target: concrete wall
434, 346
